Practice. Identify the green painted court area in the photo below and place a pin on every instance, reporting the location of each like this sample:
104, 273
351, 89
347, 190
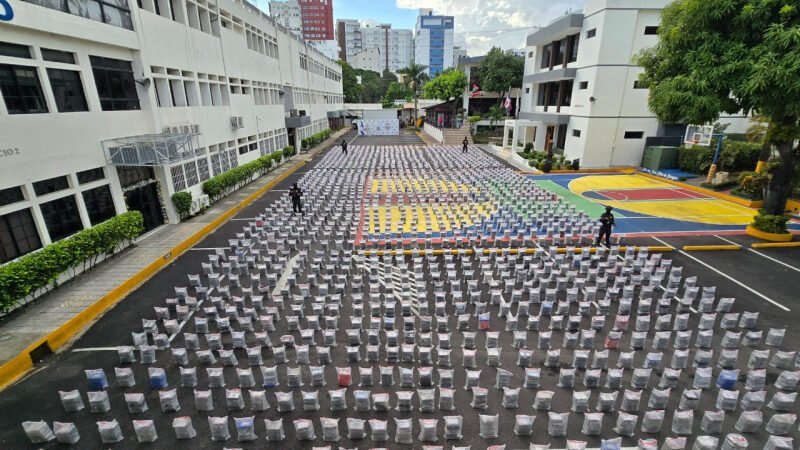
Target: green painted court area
587, 206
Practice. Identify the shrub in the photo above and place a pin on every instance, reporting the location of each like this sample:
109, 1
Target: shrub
753, 184
734, 156
35, 271
474, 119
769, 223
183, 202
533, 163
528, 147
288, 151
225, 183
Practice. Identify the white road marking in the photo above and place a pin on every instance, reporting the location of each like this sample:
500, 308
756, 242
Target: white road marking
208, 249
729, 278
796, 269
285, 275
95, 349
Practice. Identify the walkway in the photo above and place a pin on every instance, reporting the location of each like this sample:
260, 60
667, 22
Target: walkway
49, 312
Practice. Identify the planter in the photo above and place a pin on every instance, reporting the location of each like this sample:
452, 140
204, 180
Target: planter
772, 237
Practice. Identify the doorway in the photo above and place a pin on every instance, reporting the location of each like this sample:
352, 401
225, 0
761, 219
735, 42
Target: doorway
548, 138
145, 200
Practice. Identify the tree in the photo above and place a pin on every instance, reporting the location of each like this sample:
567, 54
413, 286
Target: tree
494, 114
500, 70
414, 77
394, 92
450, 83
350, 87
731, 56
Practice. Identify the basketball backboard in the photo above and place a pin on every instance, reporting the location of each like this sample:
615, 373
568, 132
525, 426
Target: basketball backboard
699, 135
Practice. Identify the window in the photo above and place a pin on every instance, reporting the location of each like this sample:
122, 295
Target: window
58, 56
11, 195
87, 176
15, 50
576, 133
18, 235
67, 90
542, 93
546, 56
639, 84
651, 30
591, 33
527, 90
634, 134
21, 90
50, 185
112, 12
61, 217
573, 54
583, 85
99, 204
115, 85
530, 54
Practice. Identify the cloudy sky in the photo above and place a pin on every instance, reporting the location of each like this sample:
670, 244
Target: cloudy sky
480, 24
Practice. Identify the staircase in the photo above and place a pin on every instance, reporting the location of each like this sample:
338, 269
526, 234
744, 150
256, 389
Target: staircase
455, 136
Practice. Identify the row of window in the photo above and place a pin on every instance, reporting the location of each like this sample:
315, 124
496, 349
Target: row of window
315, 67
18, 232
560, 52
550, 98
112, 12
261, 42
9, 196
22, 90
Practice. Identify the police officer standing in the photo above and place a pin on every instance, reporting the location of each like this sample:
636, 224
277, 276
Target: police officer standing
606, 222
344, 147
296, 194
464, 145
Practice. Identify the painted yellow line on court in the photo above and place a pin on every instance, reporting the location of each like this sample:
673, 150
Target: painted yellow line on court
17, 366
489, 251
695, 248
775, 244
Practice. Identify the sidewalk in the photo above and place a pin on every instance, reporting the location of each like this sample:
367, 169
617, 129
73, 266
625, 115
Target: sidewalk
55, 308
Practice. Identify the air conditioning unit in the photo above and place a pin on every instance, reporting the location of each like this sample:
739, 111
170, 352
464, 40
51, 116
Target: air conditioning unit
292, 113
237, 122
195, 129
172, 130
186, 129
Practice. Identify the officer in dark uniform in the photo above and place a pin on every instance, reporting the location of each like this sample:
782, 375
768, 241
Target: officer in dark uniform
464, 145
606, 222
296, 194
344, 147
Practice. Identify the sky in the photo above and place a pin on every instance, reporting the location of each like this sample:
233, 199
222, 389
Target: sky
479, 24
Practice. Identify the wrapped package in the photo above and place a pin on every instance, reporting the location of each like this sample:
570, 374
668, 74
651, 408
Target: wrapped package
337, 399
304, 430
447, 399
219, 428
428, 429
110, 432
98, 401
712, 422
630, 401
97, 379
557, 424
380, 402
258, 400
66, 433
614, 378
330, 429
727, 400
779, 443
71, 400
362, 400
489, 426
379, 430
145, 431
749, 421
788, 380
452, 427
580, 401
311, 400
781, 401
445, 378
652, 420
611, 444
356, 428
480, 398
473, 379
756, 380
285, 401
503, 379
532, 377
606, 401
753, 401
136, 402
706, 443
274, 430
234, 399
427, 400
592, 424
511, 398
702, 378
626, 424
40, 432
523, 425
781, 424
543, 400
674, 443
403, 432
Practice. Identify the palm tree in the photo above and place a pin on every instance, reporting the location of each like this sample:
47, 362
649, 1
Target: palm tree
414, 77
494, 114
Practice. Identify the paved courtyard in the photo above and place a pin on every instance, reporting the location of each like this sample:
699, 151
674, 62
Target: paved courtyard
496, 324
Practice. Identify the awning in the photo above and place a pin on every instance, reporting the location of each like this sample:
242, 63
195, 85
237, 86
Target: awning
150, 149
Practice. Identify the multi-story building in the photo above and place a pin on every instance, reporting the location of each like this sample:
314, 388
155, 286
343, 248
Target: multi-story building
368, 59
458, 53
117, 109
395, 45
433, 41
310, 19
581, 90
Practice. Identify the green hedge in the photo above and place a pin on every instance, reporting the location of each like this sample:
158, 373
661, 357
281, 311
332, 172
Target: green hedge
26, 275
315, 139
225, 183
183, 202
735, 156
769, 223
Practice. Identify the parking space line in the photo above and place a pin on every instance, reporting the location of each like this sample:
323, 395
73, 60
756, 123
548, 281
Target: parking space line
208, 249
95, 349
729, 277
789, 266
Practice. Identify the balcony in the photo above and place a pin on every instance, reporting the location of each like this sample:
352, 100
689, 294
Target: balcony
150, 149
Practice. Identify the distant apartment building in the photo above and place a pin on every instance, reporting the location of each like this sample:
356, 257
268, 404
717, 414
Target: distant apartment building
368, 59
458, 53
101, 114
310, 19
433, 41
581, 92
395, 45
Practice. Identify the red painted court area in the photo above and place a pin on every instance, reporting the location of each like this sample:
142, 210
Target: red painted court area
651, 194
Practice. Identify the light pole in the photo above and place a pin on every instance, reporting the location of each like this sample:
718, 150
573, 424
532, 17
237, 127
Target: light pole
713, 169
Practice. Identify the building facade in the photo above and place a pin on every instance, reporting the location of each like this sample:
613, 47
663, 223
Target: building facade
368, 59
288, 14
395, 45
458, 53
119, 110
433, 41
310, 19
581, 90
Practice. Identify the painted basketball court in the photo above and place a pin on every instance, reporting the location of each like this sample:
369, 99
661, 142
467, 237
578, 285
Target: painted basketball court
644, 206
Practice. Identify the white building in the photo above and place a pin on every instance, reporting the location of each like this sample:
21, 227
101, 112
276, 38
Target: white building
581, 93
98, 118
395, 45
458, 53
368, 59
288, 14
433, 41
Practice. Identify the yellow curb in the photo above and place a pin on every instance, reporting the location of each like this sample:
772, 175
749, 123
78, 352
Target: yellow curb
775, 244
772, 237
711, 247
487, 251
709, 192
16, 367
561, 171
